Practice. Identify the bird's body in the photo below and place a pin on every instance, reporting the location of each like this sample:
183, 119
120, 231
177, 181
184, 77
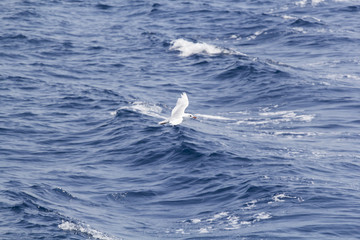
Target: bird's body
178, 112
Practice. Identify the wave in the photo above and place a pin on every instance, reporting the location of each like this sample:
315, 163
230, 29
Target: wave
353, 8
277, 117
187, 48
142, 108
85, 229
155, 111
214, 117
303, 3
222, 220
300, 22
102, 6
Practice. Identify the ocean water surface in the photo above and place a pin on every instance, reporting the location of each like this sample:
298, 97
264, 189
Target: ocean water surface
274, 151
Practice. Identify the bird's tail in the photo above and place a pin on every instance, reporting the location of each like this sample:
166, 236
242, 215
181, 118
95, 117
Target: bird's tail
164, 122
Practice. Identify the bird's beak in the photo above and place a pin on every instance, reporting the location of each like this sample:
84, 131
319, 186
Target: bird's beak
194, 117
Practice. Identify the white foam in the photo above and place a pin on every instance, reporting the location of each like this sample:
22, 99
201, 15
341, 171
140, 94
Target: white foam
275, 113
224, 221
262, 216
316, 2
233, 220
250, 205
203, 230
146, 108
213, 117
235, 37
241, 112
302, 3
305, 118
280, 198
342, 77
86, 229
299, 29
287, 116
187, 48
288, 17
277, 118
196, 220
294, 134
235, 223
257, 33
245, 222
143, 108
218, 215
252, 122
180, 231
315, 18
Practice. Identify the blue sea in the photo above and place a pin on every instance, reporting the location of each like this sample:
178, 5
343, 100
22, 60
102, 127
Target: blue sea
273, 154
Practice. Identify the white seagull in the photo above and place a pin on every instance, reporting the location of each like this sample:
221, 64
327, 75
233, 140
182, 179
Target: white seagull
178, 113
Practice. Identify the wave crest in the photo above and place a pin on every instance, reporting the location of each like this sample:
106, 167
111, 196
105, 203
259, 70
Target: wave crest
188, 48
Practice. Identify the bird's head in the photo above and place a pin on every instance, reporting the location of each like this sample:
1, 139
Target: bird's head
188, 115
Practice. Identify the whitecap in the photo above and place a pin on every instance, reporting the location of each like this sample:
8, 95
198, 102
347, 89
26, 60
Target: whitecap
316, 2
203, 230
299, 29
233, 220
301, 3
257, 33
250, 205
143, 108
235, 37
219, 215
262, 216
196, 220
294, 134
187, 48
86, 229
245, 222
267, 117
287, 116
288, 17
180, 231
280, 197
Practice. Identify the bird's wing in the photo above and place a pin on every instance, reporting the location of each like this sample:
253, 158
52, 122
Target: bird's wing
178, 111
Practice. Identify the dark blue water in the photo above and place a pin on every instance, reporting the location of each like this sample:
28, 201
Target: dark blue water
273, 154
